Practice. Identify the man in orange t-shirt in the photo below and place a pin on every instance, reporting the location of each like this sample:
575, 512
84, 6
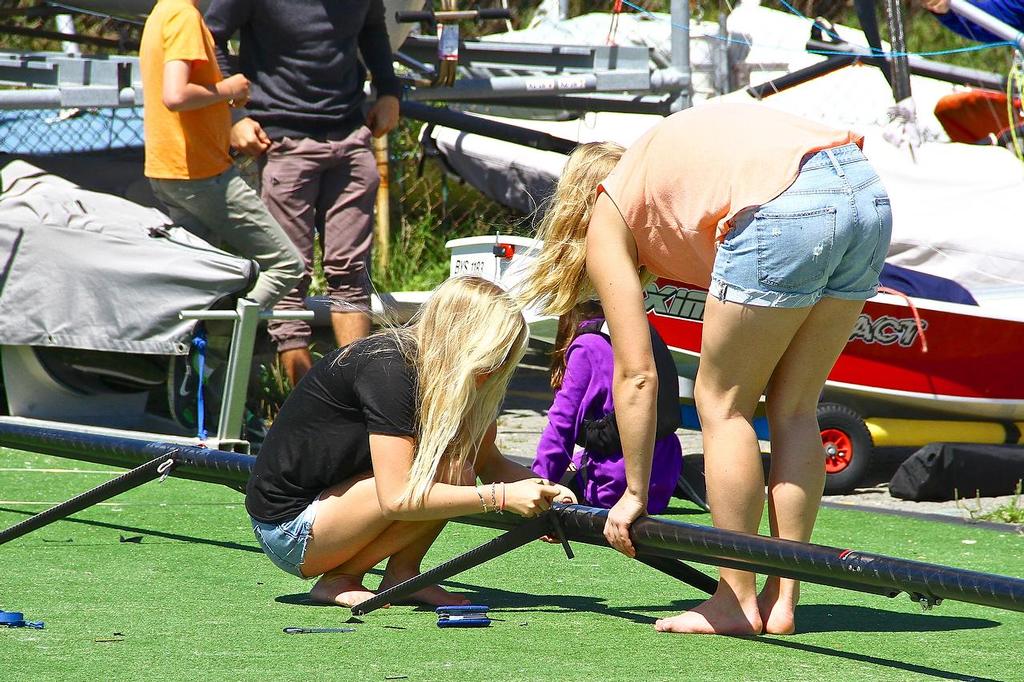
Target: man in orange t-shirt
188, 129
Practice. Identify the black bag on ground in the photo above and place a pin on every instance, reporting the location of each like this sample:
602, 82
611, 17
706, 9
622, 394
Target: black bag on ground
940, 472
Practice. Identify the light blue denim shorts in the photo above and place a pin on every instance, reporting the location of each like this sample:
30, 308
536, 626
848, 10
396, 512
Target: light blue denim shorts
826, 235
285, 543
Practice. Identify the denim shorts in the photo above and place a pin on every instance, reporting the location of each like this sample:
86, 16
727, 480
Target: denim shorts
285, 543
826, 235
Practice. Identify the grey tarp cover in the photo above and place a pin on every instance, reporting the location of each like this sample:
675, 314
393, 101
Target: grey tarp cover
81, 269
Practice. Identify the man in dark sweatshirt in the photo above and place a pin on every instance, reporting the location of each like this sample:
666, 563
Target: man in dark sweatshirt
305, 114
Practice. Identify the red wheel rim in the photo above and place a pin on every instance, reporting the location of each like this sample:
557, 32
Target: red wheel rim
838, 450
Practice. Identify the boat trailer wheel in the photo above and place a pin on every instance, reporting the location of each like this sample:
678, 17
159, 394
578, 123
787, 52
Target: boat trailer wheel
847, 447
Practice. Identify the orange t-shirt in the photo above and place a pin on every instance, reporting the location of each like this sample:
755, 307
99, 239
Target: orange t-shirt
183, 145
679, 185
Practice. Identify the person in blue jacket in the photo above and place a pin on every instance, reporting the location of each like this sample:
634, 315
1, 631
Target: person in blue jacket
978, 115
1008, 11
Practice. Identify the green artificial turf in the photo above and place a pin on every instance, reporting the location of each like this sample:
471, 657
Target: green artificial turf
195, 599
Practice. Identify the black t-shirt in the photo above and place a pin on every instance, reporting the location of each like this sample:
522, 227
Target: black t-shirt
321, 435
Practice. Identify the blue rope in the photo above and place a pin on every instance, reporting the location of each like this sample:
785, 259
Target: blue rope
199, 341
794, 10
833, 53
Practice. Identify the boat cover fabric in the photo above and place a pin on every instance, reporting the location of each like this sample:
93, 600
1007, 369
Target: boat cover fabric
81, 269
922, 285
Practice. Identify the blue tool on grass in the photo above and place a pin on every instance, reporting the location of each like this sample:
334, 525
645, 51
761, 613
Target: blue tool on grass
473, 616
16, 619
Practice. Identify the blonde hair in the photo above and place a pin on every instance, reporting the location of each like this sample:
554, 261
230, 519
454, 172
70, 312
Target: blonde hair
468, 328
558, 280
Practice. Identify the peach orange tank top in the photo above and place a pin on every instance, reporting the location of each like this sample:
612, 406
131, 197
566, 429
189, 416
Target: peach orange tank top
679, 185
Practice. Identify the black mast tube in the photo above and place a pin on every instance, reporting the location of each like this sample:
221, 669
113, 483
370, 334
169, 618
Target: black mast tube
153, 469
652, 536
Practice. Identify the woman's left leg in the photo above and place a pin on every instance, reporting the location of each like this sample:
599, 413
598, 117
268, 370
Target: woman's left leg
405, 564
741, 347
798, 474
350, 536
403, 544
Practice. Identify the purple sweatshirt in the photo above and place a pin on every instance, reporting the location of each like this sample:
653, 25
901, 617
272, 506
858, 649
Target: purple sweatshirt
586, 393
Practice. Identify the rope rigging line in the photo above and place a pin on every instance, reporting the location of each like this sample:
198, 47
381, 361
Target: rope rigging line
1014, 82
885, 54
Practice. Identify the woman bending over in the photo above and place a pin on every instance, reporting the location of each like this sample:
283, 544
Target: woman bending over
788, 224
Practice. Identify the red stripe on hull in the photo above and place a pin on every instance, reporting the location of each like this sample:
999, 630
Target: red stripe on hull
968, 356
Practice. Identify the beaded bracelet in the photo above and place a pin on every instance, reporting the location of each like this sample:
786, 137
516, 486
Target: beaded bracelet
494, 497
483, 504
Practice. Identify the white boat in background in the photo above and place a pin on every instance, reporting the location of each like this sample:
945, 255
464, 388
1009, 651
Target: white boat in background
955, 206
956, 215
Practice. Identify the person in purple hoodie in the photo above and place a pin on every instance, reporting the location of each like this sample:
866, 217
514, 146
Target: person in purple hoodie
582, 414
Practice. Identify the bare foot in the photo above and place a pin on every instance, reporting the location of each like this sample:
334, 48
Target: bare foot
777, 613
433, 595
340, 589
720, 615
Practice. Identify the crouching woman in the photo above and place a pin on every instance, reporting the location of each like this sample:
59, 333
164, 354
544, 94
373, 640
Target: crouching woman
383, 440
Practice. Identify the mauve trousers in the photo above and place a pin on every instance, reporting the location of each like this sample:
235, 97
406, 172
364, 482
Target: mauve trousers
326, 188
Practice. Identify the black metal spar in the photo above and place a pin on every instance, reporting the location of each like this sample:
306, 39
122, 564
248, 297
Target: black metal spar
192, 462
656, 538
818, 563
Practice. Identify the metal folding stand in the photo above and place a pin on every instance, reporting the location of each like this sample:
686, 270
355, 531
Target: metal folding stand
532, 529
160, 459
157, 467
244, 318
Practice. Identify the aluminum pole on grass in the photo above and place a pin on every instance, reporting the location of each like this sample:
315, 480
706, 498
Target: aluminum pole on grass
652, 537
928, 583
520, 533
191, 462
667, 541
988, 22
150, 459
153, 469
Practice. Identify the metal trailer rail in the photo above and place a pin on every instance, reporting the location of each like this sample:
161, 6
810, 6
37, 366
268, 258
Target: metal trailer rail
52, 80
660, 543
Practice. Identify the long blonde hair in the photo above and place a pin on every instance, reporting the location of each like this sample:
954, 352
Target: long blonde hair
469, 328
558, 279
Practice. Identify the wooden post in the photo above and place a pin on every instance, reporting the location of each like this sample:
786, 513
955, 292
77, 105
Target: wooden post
382, 224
